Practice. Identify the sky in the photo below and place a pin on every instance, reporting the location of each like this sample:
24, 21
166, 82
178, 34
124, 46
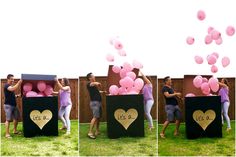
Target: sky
71, 38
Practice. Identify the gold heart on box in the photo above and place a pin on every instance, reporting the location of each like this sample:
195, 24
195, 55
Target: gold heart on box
204, 119
126, 118
41, 119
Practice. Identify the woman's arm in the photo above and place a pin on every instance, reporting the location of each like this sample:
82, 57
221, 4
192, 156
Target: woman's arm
222, 84
55, 93
146, 80
66, 88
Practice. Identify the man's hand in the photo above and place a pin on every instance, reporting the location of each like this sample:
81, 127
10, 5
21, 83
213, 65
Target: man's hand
178, 94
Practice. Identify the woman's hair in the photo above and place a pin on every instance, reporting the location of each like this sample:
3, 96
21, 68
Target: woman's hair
226, 81
66, 81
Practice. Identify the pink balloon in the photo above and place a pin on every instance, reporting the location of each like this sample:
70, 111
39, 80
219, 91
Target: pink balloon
116, 69
208, 39
41, 86
230, 30
27, 87
213, 83
225, 61
216, 54
128, 67
198, 59
204, 80
190, 95
214, 69
138, 84
219, 41
31, 94
132, 91
205, 88
190, 40
201, 15
113, 90
110, 58
122, 90
126, 82
209, 30
122, 52
40, 94
118, 45
211, 59
131, 74
197, 81
137, 64
123, 73
215, 35
48, 90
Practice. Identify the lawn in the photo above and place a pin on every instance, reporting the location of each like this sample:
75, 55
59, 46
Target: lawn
180, 146
61, 145
125, 146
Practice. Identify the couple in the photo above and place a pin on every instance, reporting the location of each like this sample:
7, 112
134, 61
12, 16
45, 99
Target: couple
96, 102
12, 111
173, 111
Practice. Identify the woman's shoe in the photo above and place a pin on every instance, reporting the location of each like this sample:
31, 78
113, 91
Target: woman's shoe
63, 128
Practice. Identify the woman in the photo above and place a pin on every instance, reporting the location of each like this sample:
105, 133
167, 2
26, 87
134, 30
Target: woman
224, 93
65, 103
148, 99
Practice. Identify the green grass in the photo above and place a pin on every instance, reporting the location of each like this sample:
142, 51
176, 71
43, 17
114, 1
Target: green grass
125, 146
62, 145
181, 146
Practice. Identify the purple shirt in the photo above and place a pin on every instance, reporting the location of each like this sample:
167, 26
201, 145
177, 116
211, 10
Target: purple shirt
147, 92
65, 99
224, 93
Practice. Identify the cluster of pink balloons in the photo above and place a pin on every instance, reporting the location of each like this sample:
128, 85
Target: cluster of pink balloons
129, 83
212, 33
42, 87
211, 60
206, 85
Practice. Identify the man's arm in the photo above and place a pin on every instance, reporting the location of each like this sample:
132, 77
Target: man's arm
15, 87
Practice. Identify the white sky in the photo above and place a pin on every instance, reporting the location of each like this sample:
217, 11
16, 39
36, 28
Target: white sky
71, 38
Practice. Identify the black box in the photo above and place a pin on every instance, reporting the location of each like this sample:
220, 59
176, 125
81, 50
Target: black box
203, 116
129, 110
40, 114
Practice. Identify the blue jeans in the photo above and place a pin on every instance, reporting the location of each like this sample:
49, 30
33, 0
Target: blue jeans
224, 111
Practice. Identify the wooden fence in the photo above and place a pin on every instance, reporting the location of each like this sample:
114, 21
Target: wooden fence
178, 86
74, 98
84, 110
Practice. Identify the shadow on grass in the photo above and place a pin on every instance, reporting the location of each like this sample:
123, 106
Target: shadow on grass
125, 146
181, 146
61, 145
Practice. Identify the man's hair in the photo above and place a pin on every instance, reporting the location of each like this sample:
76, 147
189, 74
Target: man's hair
9, 76
89, 75
166, 79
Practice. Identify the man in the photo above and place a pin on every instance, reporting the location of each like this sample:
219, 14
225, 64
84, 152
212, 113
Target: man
10, 106
95, 104
172, 109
